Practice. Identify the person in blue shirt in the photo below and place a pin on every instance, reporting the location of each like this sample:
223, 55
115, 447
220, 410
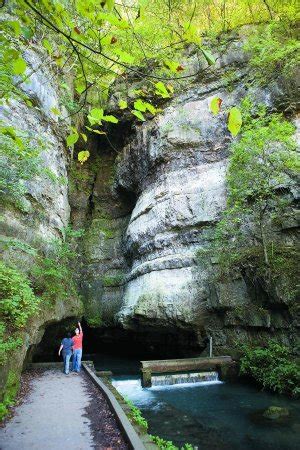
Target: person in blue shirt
66, 347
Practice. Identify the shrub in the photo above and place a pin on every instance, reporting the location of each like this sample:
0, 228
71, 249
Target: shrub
19, 162
272, 367
11, 389
168, 445
17, 300
8, 343
53, 275
136, 415
95, 321
262, 168
274, 49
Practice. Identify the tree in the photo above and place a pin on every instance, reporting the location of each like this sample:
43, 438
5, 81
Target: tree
107, 39
102, 41
261, 170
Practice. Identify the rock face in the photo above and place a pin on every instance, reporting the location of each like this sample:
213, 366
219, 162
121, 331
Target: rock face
146, 213
46, 211
43, 195
175, 167
104, 216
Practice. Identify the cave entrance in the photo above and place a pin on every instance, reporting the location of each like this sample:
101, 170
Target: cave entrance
114, 346
47, 349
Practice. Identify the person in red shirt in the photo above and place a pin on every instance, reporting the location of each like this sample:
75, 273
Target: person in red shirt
77, 348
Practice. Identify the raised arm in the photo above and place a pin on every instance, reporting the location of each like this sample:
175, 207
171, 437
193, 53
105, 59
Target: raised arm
79, 326
60, 349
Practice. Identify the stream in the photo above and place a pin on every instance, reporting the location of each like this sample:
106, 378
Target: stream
209, 415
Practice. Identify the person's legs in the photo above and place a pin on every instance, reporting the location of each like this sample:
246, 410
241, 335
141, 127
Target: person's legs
79, 356
64, 357
67, 363
75, 361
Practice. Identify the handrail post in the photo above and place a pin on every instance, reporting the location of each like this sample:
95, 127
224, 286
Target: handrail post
210, 346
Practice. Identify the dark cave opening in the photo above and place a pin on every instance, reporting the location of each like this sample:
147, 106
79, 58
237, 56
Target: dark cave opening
151, 343
115, 137
127, 198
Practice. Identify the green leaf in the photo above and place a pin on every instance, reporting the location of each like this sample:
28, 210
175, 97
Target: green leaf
97, 113
9, 131
138, 114
140, 105
123, 104
191, 34
234, 121
161, 90
19, 66
139, 92
172, 65
111, 119
10, 53
151, 108
113, 20
208, 56
95, 131
95, 116
72, 139
83, 156
124, 56
27, 33
47, 45
84, 137
80, 88
109, 4
215, 105
15, 25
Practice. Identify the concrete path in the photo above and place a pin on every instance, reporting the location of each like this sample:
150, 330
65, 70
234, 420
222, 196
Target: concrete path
52, 416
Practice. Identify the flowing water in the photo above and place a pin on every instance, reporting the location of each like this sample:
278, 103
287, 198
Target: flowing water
183, 378
211, 415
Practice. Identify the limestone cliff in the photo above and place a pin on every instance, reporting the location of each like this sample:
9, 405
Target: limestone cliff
148, 198
41, 215
144, 274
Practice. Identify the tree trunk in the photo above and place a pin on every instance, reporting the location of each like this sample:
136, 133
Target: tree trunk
263, 239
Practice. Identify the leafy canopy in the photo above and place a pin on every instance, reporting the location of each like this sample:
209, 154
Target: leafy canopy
104, 40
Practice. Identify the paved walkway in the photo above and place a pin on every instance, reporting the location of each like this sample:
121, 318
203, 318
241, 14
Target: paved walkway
52, 416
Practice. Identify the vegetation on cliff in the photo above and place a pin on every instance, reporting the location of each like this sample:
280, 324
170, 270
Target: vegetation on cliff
272, 367
51, 279
261, 171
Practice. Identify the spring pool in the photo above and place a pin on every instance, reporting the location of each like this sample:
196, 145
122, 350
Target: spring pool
210, 415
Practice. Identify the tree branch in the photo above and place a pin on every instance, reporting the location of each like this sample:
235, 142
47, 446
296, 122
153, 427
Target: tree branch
73, 40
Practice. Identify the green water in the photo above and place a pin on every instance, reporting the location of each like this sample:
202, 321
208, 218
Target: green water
222, 416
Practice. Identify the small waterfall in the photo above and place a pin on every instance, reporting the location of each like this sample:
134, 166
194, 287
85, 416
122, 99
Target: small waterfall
181, 378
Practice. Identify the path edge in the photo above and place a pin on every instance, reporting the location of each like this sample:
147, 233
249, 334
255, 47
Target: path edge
134, 441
